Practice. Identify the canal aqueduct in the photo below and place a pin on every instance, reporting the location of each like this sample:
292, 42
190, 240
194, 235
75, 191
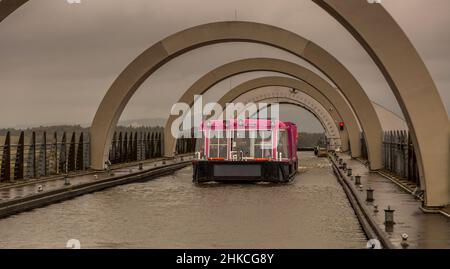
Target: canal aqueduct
312, 81
377, 32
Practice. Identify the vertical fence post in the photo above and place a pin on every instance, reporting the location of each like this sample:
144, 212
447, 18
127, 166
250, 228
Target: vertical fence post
151, 145
405, 154
112, 151
5, 174
42, 161
63, 167
54, 153
144, 146
141, 146
125, 148
31, 163
87, 151
130, 148
71, 160
80, 154
18, 166
120, 149
158, 147
134, 156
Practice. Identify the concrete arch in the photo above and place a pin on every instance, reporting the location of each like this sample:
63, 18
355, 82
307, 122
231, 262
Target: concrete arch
392, 51
305, 101
150, 60
254, 84
213, 77
299, 98
9, 6
394, 54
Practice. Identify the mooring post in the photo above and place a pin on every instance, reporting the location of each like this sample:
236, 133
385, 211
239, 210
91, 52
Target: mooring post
389, 216
404, 242
66, 180
369, 196
349, 171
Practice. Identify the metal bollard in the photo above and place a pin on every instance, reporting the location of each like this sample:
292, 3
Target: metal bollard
389, 216
164, 162
340, 161
344, 166
404, 242
369, 196
375, 208
357, 180
349, 171
141, 166
66, 181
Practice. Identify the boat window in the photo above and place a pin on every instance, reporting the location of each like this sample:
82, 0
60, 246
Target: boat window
263, 144
217, 145
252, 144
282, 146
241, 143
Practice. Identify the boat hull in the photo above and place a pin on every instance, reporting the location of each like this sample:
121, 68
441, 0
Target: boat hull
243, 171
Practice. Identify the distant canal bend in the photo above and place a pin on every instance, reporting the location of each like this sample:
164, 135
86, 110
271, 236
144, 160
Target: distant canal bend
172, 212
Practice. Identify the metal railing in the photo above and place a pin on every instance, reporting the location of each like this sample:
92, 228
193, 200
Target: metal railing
185, 145
135, 146
62, 153
43, 155
399, 155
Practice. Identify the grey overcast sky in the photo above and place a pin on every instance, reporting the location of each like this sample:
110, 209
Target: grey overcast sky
57, 60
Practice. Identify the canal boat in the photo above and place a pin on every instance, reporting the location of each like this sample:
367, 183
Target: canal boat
249, 150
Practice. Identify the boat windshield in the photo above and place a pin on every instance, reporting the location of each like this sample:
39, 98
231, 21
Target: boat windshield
252, 144
217, 144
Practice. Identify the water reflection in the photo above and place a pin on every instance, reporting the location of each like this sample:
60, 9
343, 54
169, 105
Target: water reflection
172, 212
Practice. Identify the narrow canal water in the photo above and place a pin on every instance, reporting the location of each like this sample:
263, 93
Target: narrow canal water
172, 212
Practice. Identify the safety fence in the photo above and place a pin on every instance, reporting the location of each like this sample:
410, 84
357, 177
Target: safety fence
185, 145
43, 155
399, 155
30, 155
135, 146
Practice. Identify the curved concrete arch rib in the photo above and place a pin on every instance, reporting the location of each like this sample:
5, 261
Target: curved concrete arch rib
304, 101
213, 77
151, 59
255, 84
9, 6
394, 54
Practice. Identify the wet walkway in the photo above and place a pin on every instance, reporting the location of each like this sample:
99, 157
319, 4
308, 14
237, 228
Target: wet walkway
22, 189
423, 230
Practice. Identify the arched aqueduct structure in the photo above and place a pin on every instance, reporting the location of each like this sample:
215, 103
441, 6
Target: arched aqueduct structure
376, 31
290, 93
311, 81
